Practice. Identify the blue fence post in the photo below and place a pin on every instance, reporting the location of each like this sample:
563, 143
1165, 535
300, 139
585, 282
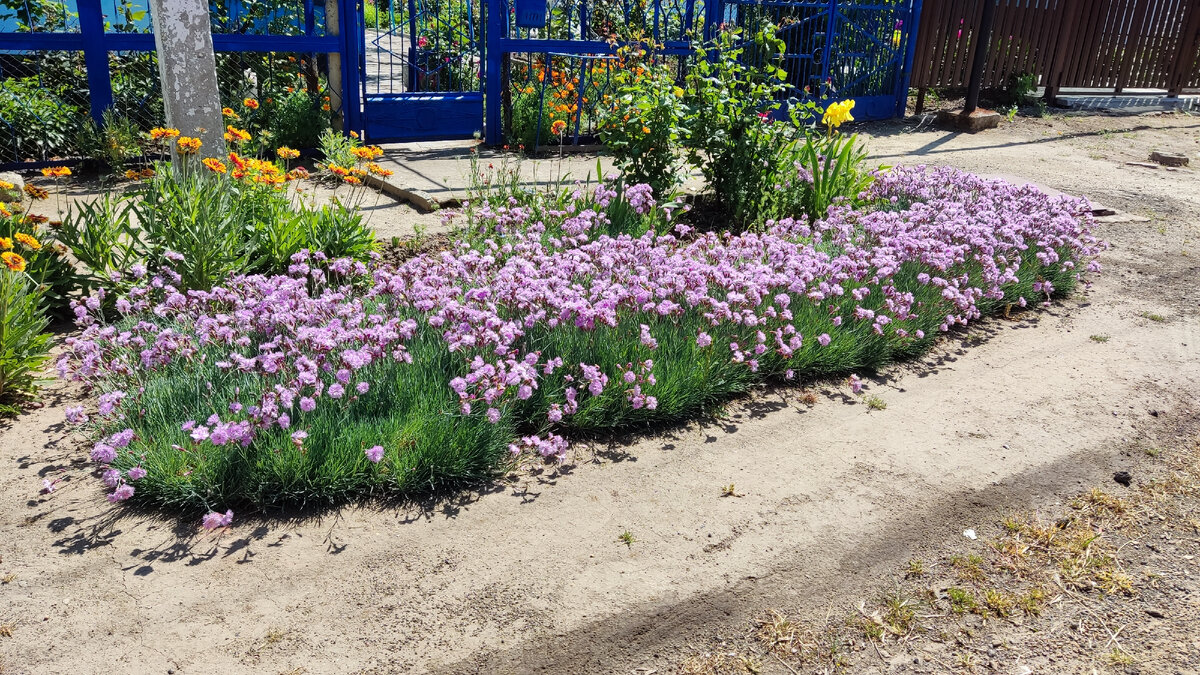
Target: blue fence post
827, 51
497, 18
910, 50
95, 57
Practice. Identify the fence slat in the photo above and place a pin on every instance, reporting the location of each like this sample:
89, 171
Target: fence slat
1117, 44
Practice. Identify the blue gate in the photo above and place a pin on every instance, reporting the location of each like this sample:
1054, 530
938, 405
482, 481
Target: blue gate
420, 69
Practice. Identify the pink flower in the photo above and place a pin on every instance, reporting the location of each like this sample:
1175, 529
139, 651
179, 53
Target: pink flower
375, 453
823, 339
123, 492
137, 473
212, 520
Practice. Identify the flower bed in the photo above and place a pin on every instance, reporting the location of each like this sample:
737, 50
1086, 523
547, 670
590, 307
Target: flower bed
340, 380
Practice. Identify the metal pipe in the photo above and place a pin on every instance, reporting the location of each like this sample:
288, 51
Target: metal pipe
979, 61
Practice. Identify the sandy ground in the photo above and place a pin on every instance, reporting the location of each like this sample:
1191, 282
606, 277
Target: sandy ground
529, 575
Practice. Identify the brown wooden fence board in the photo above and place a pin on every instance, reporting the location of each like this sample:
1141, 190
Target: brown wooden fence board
1117, 44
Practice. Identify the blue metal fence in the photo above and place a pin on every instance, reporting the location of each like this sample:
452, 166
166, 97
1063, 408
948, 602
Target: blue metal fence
429, 69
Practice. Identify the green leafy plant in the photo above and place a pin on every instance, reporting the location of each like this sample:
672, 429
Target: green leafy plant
24, 346
115, 142
642, 125
732, 96
46, 263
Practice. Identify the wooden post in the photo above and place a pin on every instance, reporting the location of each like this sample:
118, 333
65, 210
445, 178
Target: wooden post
188, 71
983, 39
1067, 20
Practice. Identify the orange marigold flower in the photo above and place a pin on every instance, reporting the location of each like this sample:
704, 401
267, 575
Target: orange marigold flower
36, 192
215, 165
13, 261
232, 133
558, 127
297, 173
238, 173
56, 171
645, 130
353, 180
28, 240
36, 218
353, 134
379, 170
131, 174
228, 112
237, 161
325, 107
4, 210
147, 173
5, 185
361, 152
160, 133
339, 170
5, 243
188, 145
287, 153
250, 103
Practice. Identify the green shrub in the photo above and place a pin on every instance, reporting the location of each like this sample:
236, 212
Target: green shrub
36, 123
642, 124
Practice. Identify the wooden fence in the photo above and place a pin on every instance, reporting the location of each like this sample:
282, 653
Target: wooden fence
1104, 44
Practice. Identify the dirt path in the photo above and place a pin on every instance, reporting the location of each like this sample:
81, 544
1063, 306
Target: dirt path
531, 577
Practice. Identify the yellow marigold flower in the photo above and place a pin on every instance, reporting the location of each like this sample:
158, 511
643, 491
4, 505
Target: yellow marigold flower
56, 171
159, 133
28, 240
250, 103
353, 180
131, 174
188, 145
353, 134
36, 192
215, 165
13, 261
287, 153
376, 151
361, 152
5, 243
228, 112
558, 127
379, 170
5, 185
339, 170
4, 210
297, 173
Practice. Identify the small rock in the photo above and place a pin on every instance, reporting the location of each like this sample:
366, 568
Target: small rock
11, 194
1156, 613
1154, 413
1169, 158
970, 534
1123, 477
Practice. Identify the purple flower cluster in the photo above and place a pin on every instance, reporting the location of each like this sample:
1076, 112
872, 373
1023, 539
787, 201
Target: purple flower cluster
312, 338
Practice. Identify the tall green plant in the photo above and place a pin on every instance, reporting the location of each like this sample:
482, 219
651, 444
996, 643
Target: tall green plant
642, 125
732, 94
24, 346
